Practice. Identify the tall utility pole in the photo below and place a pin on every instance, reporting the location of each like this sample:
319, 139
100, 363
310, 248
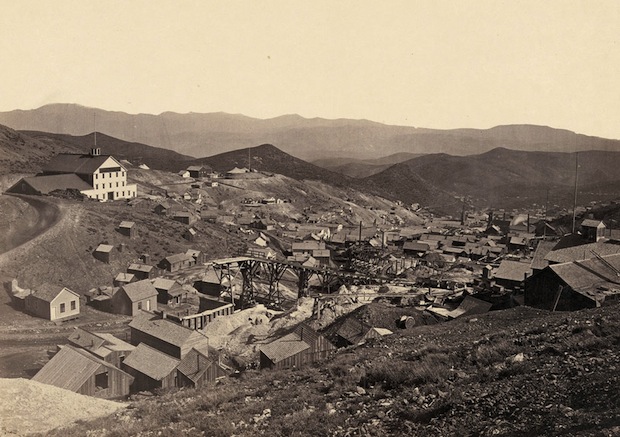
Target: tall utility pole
95, 127
575, 198
249, 160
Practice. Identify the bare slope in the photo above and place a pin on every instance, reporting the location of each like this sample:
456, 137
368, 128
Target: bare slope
500, 177
208, 134
136, 153
20, 153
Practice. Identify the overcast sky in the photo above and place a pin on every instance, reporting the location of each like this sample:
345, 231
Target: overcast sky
431, 64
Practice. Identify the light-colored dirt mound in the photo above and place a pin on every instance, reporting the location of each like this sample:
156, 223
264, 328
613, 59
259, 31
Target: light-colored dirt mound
28, 407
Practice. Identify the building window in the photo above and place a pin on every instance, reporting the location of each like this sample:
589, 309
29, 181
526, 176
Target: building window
96, 176
139, 305
123, 194
117, 185
62, 307
96, 186
123, 183
73, 305
101, 380
116, 174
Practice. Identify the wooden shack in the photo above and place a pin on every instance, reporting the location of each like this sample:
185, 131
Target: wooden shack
166, 336
179, 261
142, 271
104, 253
81, 372
151, 369
197, 369
129, 229
104, 346
53, 303
134, 297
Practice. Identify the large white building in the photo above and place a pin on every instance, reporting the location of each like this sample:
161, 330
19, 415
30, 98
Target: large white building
97, 176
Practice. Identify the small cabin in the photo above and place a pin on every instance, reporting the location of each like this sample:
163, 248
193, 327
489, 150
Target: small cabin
53, 303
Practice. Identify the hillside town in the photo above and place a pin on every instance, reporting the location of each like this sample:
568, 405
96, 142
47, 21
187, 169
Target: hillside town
289, 294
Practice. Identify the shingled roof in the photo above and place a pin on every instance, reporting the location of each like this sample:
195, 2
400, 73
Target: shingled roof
163, 329
151, 362
512, 271
582, 252
48, 292
195, 364
284, 347
70, 368
49, 183
140, 290
76, 163
592, 278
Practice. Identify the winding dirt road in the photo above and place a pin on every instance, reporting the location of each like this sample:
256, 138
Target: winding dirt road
47, 215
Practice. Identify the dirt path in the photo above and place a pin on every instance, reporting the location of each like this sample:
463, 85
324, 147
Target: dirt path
47, 215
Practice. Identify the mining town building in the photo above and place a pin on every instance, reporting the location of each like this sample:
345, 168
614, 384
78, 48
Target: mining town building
166, 336
53, 303
97, 176
81, 372
131, 298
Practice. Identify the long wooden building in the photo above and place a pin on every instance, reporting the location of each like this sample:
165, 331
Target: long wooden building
81, 372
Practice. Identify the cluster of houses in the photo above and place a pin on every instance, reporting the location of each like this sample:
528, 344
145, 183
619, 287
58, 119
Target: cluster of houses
160, 354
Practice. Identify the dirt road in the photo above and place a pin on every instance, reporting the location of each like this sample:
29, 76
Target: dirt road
19, 229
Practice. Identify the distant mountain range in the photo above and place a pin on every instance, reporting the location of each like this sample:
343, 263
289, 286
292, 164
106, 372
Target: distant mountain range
499, 178
361, 168
201, 135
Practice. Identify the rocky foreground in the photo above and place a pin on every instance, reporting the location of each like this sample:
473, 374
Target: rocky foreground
508, 373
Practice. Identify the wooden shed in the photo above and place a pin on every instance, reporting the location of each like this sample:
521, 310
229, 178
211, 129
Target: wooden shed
53, 303
104, 253
197, 369
151, 368
105, 346
302, 346
169, 291
131, 298
142, 271
81, 372
129, 229
166, 336
177, 262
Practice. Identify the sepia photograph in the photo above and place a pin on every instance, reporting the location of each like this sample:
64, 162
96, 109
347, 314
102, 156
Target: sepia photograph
309, 218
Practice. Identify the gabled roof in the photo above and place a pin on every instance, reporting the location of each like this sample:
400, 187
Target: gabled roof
592, 277
70, 368
163, 329
179, 257
195, 364
77, 163
284, 347
48, 292
48, 183
590, 223
85, 339
104, 248
581, 252
513, 271
538, 261
353, 330
140, 290
125, 277
163, 283
151, 362
140, 267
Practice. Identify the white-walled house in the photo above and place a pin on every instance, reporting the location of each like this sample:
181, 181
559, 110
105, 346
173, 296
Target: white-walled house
100, 177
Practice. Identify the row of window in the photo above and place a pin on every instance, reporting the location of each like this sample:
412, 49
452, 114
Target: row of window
115, 175
63, 306
104, 196
103, 185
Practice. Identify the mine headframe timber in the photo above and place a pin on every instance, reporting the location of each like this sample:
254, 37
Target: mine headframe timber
250, 268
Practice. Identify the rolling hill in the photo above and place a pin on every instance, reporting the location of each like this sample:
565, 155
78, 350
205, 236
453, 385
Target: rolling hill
136, 153
208, 134
500, 177
361, 168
